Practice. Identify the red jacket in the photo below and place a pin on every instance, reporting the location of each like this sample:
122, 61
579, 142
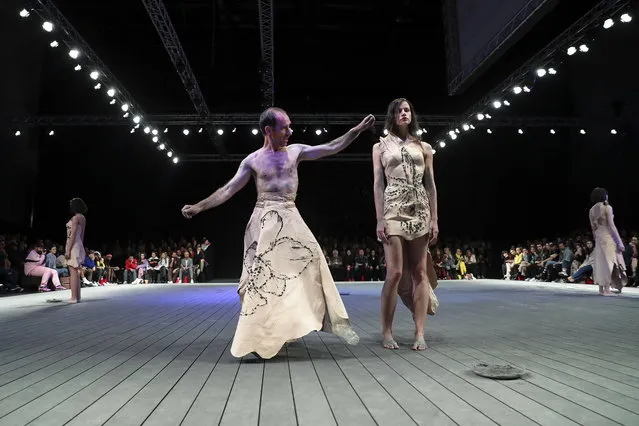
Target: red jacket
131, 265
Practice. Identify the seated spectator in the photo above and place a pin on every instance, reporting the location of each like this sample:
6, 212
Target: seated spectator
143, 266
186, 267
88, 269
360, 267
34, 267
154, 268
130, 269
337, 266
164, 268
373, 266
8, 276
51, 261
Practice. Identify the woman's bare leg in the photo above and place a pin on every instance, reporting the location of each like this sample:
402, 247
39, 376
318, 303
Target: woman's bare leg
394, 265
417, 255
74, 281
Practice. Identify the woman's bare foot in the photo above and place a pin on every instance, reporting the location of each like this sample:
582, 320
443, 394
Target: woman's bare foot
420, 344
73, 301
389, 342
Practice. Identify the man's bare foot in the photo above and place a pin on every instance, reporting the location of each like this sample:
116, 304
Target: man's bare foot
420, 344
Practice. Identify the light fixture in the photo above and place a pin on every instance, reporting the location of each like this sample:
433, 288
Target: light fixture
166, 130
125, 107
582, 131
147, 130
24, 13
466, 127
419, 132
162, 146
480, 116
126, 115
133, 130
490, 132
472, 127
552, 131
613, 132
608, 23
97, 86
526, 89
78, 67
54, 43
442, 144
155, 132
552, 71
488, 116
583, 48
220, 132
254, 131
319, 132
453, 136
94, 75
112, 102
496, 104
506, 102
200, 130
385, 132
520, 131
625, 18
51, 133
111, 93
155, 139
232, 131
175, 160
74, 53
451, 133
541, 72
169, 154
517, 90
186, 132
47, 26
136, 119
571, 50
18, 133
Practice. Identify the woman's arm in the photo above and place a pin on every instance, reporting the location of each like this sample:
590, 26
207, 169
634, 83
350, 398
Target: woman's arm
378, 192
74, 235
610, 218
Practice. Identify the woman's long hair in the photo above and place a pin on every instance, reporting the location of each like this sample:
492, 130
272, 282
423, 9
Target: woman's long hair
391, 113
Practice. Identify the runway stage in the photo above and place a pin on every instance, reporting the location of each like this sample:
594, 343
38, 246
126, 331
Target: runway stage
159, 355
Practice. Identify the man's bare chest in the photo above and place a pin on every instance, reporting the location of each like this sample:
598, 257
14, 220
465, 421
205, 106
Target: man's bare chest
275, 165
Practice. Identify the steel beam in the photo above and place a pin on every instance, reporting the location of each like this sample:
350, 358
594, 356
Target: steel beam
265, 8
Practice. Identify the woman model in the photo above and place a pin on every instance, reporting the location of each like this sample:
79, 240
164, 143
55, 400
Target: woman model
406, 209
609, 268
75, 253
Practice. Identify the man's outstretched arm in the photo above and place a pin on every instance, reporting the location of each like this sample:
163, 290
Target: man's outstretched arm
223, 194
313, 152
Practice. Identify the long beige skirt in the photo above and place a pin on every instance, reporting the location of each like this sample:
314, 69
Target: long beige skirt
286, 288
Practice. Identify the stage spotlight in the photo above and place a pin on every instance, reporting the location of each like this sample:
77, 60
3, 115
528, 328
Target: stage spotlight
220, 132
442, 144
254, 131
112, 102
453, 136
488, 116
126, 115
480, 116
186, 132
169, 154
74, 53
111, 92
526, 89
24, 13
166, 130
625, 18
472, 127
419, 132
541, 72
18, 133
490, 132
451, 133
552, 71
466, 127
147, 130
582, 131
385, 132
424, 130
175, 160
133, 130
507, 103
78, 67
155, 132
47, 26
155, 139
51, 133
125, 107
608, 23
94, 75
517, 90
232, 131
496, 104
571, 50
552, 131
319, 132
613, 132
54, 43
98, 86
162, 146
137, 119
583, 48
520, 131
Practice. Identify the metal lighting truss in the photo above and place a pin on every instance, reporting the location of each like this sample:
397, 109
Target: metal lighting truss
297, 119
47, 9
451, 35
522, 18
592, 19
162, 22
266, 37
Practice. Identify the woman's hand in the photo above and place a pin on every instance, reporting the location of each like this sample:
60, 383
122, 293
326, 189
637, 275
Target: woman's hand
382, 231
